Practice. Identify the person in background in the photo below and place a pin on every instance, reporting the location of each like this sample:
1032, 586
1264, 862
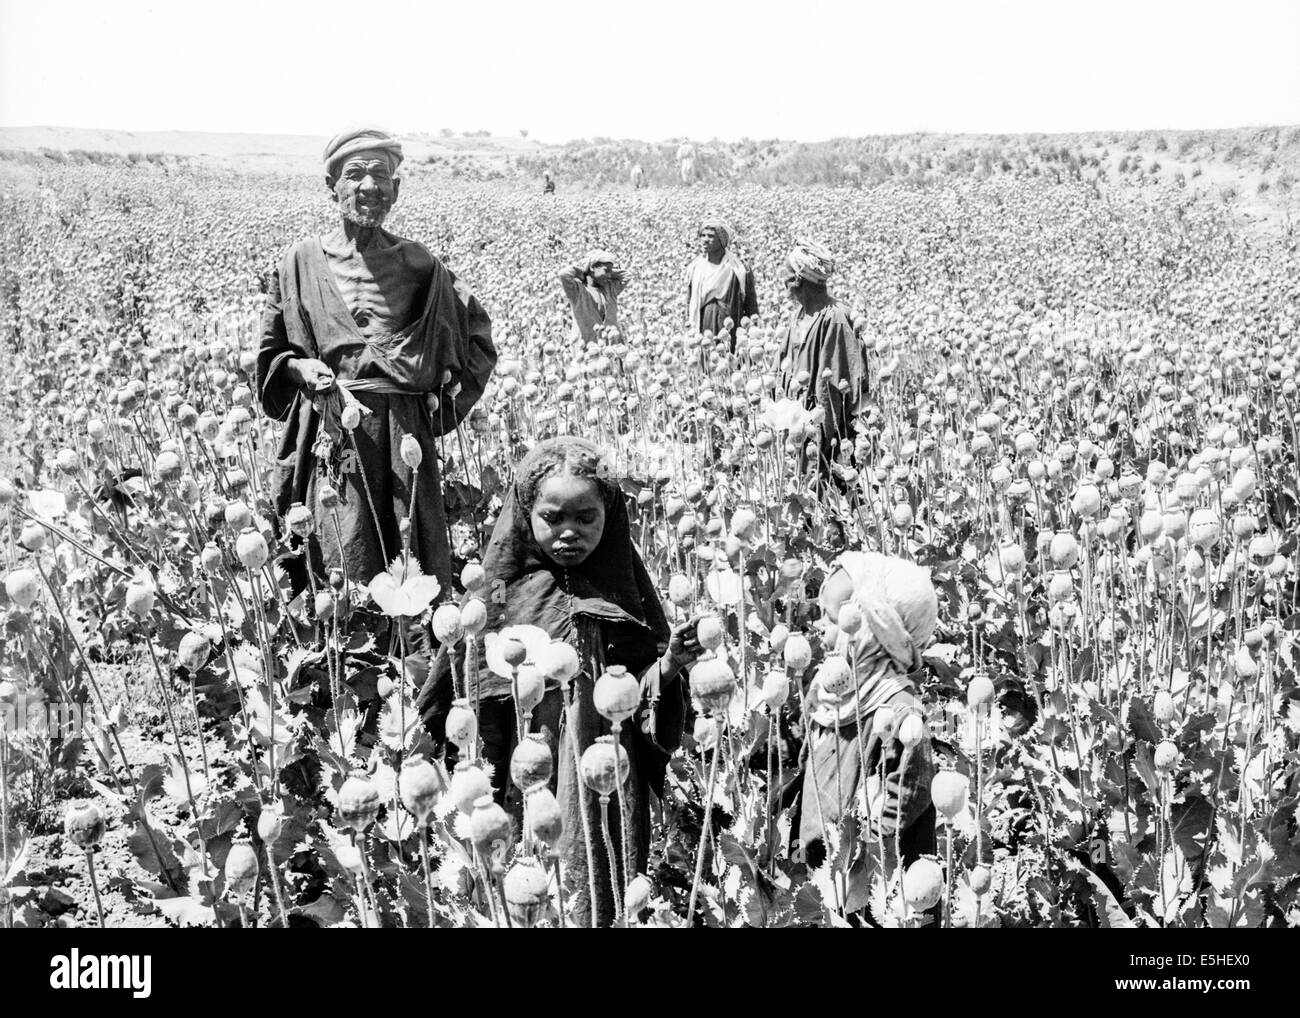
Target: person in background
592, 288
638, 177
718, 284
823, 363
548, 185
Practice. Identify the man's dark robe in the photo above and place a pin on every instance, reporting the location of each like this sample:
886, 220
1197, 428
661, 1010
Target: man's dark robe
829, 345
446, 351
731, 295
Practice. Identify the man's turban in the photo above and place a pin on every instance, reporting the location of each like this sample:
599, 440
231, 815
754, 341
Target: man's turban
721, 229
812, 261
361, 139
598, 257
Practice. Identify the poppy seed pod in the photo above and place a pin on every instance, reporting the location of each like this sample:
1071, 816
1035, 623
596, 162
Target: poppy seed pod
327, 498
193, 651
350, 417
412, 454
270, 822
1165, 757
604, 765
469, 783
529, 686
680, 589
797, 653
1203, 529
238, 516
446, 624
743, 522
1061, 586
543, 816
513, 651
526, 889
776, 689
980, 692
167, 465
710, 632
22, 587
461, 725
559, 662
834, 676
911, 730
531, 763
1086, 502
882, 723
949, 790
617, 694
1064, 550
139, 598
421, 783
242, 867
981, 879
712, 684
1012, 558
1162, 706
489, 825
473, 616
777, 637
637, 898
83, 824
358, 802
251, 550
923, 884
32, 536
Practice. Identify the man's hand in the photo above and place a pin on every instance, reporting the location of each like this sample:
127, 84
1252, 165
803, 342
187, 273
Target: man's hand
619, 275
309, 373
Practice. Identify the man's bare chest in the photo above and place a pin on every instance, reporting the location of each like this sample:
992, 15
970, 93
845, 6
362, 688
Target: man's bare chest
384, 295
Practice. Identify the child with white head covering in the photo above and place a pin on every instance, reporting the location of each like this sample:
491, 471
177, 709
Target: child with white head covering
890, 606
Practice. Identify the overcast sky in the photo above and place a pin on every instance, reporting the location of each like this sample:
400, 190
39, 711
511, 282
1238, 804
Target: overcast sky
650, 69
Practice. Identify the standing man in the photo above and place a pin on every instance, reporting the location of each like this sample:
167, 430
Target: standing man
822, 361
638, 177
548, 185
592, 288
686, 161
368, 342
718, 285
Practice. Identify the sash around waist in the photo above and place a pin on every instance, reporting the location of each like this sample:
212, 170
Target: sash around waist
379, 386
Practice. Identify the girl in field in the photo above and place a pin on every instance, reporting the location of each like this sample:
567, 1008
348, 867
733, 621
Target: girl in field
850, 758
561, 558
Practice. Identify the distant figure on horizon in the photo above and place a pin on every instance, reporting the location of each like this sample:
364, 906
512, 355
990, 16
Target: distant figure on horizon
548, 185
638, 177
686, 161
592, 288
719, 286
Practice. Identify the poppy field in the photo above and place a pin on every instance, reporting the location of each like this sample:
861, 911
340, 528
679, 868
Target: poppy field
1082, 420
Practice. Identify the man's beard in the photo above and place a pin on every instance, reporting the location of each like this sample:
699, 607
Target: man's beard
369, 219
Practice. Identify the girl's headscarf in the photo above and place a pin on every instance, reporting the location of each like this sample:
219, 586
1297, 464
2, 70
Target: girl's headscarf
900, 611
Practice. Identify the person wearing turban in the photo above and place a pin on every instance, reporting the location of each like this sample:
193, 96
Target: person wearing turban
854, 761
718, 284
592, 287
367, 341
823, 362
